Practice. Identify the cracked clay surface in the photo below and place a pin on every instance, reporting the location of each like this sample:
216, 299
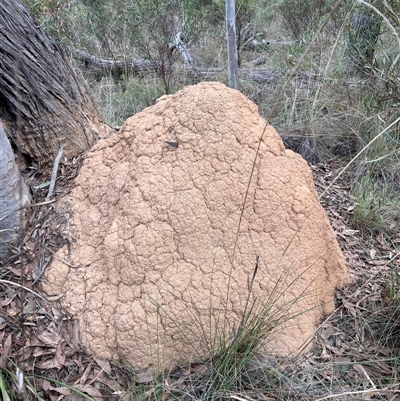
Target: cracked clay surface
152, 268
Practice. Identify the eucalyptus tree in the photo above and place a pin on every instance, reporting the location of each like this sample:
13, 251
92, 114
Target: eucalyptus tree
45, 104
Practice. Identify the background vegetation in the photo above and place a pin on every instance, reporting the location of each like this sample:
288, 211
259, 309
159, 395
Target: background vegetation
343, 93
325, 73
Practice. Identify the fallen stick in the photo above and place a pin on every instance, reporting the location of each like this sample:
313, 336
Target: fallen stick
54, 173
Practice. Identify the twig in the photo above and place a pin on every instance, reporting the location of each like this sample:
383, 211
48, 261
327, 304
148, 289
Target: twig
236, 397
54, 173
23, 287
26, 207
367, 376
62, 260
391, 27
372, 391
42, 263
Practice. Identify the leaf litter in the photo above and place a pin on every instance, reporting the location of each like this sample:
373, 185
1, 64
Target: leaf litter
43, 340
35, 333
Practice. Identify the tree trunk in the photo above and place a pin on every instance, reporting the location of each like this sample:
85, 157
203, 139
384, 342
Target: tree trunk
231, 43
362, 39
44, 103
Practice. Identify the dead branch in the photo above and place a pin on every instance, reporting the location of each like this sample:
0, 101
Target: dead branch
136, 66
